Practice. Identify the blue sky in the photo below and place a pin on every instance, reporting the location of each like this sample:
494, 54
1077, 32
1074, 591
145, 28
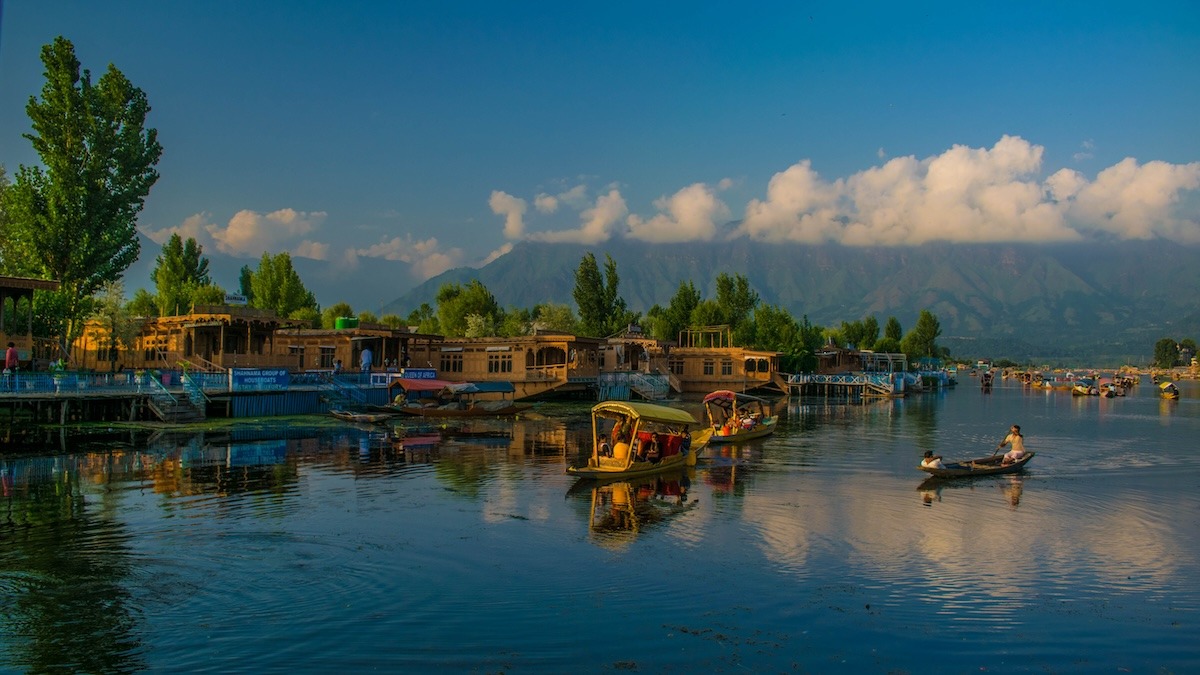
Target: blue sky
440, 134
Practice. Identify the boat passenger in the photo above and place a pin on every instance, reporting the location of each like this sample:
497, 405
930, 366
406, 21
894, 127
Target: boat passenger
652, 449
932, 461
1016, 441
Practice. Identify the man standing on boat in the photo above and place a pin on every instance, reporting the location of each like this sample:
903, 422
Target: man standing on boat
365, 359
1017, 443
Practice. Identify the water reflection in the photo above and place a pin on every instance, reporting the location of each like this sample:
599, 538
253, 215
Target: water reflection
620, 510
1011, 486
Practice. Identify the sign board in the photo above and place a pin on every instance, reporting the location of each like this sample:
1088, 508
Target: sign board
259, 379
235, 299
419, 373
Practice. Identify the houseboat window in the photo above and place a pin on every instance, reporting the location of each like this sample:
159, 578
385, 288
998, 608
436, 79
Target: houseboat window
727, 367
500, 363
764, 366
675, 366
750, 365
709, 368
326, 357
451, 362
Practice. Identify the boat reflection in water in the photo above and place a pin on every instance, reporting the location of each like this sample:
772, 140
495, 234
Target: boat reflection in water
1012, 485
620, 510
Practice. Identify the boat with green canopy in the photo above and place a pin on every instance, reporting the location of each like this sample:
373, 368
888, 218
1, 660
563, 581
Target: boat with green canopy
638, 439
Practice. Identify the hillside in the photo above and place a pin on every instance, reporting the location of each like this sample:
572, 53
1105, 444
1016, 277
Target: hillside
1109, 301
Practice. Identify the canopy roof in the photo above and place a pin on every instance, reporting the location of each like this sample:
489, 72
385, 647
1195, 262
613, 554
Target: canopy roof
410, 384
1167, 385
722, 395
646, 411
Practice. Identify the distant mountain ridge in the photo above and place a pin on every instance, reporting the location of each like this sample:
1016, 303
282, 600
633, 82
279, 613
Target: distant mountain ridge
1052, 302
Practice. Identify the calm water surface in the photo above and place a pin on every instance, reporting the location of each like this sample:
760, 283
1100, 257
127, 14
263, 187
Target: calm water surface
468, 549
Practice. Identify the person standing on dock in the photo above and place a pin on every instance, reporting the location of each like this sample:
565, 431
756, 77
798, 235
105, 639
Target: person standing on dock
365, 359
10, 358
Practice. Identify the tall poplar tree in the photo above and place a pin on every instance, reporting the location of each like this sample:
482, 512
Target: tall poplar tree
602, 311
277, 287
74, 218
179, 273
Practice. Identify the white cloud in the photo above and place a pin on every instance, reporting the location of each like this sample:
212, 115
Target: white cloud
545, 203
194, 227
426, 257
312, 249
513, 210
250, 233
599, 222
503, 250
961, 195
687, 215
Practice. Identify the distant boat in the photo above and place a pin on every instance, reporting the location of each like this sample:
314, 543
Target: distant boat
1169, 391
439, 398
362, 418
984, 466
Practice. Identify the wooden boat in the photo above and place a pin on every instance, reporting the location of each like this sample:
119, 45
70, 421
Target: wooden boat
363, 418
985, 380
737, 417
622, 435
984, 466
1085, 387
440, 398
1169, 391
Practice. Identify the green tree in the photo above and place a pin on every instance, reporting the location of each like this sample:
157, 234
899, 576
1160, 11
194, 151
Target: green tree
179, 272
334, 312
143, 304
391, 320
1166, 353
277, 287
776, 330
736, 299
921, 341
870, 332
888, 345
75, 220
246, 284
456, 302
602, 311
667, 323
555, 317
892, 329
310, 315
112, 313
367, 317
425, 319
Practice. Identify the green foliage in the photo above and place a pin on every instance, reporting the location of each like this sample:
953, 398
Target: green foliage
309, 315
892, 330
921, 341
246, 283
425, 319
870, 332
480, 325
75, 219
555, 317
707, 313
456, 303
367, 317
736, 299
392, 320
602, 311
143, 304
334, 312
180, 271
668, 323
888, 345
112, 313
277, 287
1166, 353
210, 294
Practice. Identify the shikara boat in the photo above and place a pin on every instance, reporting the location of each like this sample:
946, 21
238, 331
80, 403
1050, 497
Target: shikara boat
1169, 391
624, 436
363, 418
1085, 387
984, 466
439, 398
737, 417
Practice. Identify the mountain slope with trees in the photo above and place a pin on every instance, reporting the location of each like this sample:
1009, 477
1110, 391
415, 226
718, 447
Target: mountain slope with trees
1021, 301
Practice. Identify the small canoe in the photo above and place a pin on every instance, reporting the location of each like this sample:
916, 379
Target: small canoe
984, 466
363, 418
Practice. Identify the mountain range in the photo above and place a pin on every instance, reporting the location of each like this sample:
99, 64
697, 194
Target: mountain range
1091, 303
1094, 303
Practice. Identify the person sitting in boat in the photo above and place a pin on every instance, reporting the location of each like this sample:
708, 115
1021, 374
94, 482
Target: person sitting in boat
1016, 441
650, 450
932, 461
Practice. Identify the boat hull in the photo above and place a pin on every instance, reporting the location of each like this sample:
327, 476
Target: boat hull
985, 466
766, 428
463, 412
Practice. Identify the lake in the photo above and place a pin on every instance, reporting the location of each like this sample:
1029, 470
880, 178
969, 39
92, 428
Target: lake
302, 545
